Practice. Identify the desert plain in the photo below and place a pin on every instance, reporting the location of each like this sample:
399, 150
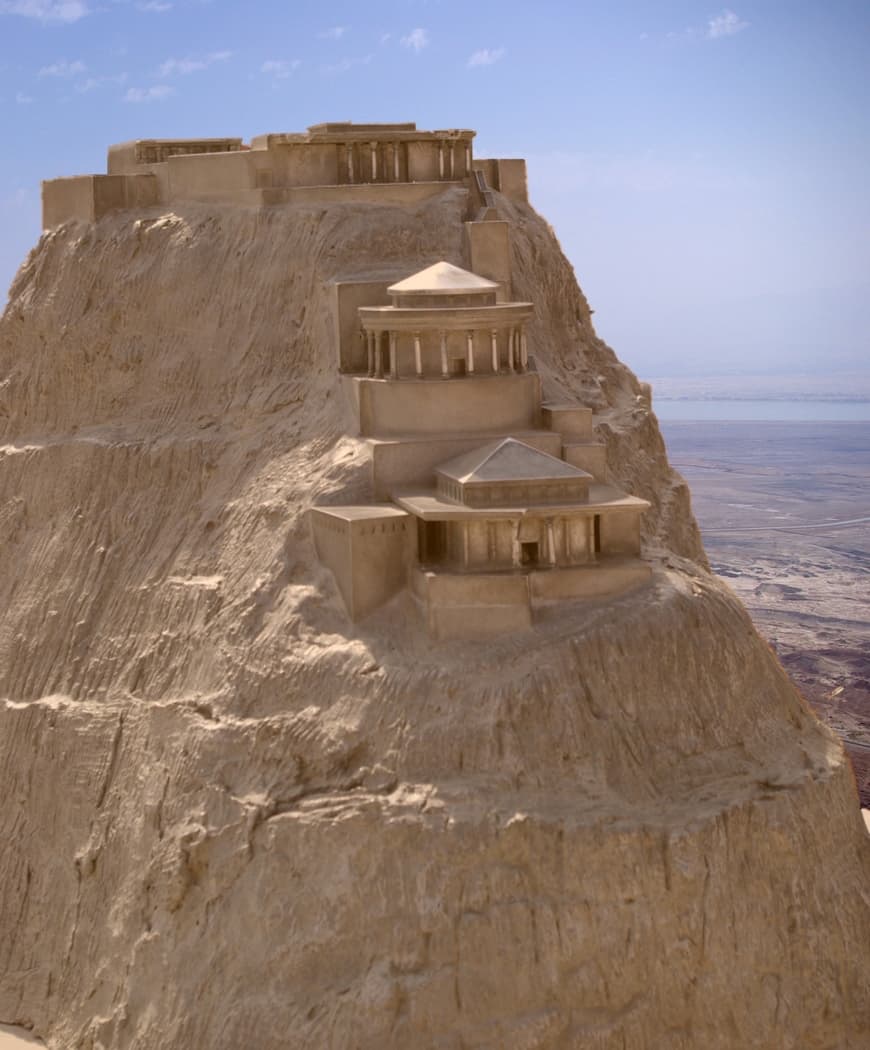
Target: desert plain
784, 508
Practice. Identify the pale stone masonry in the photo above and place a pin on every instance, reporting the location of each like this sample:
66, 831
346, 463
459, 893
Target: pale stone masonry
379, 163
487, 505
495, 504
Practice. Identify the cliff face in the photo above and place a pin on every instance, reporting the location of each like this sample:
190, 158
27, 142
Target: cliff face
234, 819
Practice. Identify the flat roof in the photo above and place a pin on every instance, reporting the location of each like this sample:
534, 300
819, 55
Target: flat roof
349, 125
348, 132
363, 512
176, 142
428, 505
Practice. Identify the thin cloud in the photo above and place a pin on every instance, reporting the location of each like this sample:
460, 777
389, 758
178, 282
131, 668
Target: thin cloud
46, 11
183, 67
63, 69
22, 99
20, 198
416, 40
92, 83
154, 7
724, 24
279, 69
333, 33
485, 57
156, 93
347, 64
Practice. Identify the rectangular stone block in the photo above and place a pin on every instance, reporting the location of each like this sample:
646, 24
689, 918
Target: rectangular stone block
599, 580
434, 406
620, 532
571, 421
212, 176
489, 250
512, 180
368, 549
89, 197
473, 605
590, 456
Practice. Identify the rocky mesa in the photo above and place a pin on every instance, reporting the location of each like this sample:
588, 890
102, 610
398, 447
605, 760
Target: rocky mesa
233, 816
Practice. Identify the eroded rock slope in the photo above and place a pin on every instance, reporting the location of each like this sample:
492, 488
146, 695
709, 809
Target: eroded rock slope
234, 820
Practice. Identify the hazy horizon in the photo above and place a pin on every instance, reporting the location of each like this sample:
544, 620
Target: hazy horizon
704, 167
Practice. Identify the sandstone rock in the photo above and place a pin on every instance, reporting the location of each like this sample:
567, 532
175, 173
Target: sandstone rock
234, 819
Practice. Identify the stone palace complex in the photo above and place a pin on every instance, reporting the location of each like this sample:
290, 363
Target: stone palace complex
486, 503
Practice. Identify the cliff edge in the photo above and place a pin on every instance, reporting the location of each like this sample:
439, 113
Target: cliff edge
234, 818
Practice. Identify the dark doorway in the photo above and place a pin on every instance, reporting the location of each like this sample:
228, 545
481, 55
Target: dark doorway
529, 553
597, 531
432, 537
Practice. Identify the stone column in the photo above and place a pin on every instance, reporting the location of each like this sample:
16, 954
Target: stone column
452, 162
379, 355
370, 352
551, 542
493, 338
441, 159
524, 350
445, 365
465, 545
492, 541
397, 163
349, 152
467, 159
469, 353
511, 348
394, 362
590, 540
516, 549
418, 356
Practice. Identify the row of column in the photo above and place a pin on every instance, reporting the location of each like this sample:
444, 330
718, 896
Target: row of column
392, 172
517, 547
551, 554
447, 158
551, 557
373, 147
517, 356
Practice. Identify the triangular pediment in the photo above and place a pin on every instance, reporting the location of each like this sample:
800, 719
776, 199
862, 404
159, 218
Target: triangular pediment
509, 460
443, 278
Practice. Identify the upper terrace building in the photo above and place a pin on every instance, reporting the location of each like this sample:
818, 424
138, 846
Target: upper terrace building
333, 161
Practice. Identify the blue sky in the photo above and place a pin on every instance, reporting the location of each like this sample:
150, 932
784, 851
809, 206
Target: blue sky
705, 167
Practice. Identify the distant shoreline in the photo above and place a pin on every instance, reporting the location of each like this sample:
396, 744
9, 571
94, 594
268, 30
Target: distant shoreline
759, 410
846, 399
833, 388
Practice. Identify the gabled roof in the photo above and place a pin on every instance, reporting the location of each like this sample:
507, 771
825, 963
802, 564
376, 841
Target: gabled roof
509, 460
443, 278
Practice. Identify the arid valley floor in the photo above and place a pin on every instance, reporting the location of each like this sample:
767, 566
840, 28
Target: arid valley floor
785, 513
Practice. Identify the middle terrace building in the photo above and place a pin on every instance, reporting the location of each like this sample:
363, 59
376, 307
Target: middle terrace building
492, 511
